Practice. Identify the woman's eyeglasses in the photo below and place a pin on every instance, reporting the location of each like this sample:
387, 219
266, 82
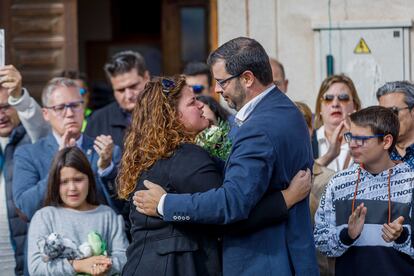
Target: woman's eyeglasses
359, 140
343, 98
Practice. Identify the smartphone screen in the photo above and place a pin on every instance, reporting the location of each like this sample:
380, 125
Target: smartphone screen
2, 48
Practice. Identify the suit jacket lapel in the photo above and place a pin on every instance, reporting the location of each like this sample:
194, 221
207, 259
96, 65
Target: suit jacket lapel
52, 144
87, 148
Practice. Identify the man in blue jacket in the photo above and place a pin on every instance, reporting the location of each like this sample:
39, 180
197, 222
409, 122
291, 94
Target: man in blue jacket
271, 145
63, 109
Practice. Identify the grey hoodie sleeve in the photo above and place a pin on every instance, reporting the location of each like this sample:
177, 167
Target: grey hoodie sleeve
30, 115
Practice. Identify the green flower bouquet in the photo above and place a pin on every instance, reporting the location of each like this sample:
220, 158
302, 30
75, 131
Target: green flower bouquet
215, 140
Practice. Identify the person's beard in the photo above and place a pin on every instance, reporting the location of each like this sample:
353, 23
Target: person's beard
239, 97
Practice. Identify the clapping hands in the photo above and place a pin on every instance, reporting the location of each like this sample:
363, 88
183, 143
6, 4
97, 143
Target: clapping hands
104, 146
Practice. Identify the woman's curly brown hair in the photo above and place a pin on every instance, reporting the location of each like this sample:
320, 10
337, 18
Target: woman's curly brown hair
154, 134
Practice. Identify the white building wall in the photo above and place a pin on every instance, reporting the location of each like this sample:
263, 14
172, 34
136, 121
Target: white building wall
284, 28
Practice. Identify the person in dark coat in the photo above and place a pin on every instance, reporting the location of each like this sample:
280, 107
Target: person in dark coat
166, 120
13, 134
128, 75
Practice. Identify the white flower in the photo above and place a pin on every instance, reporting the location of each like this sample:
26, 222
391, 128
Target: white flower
213, 134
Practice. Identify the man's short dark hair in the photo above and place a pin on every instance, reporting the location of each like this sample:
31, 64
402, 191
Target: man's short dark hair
381, 120
198, 68
124, 62
242, 54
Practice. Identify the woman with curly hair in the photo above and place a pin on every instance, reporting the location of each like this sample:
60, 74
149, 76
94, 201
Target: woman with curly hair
160, 147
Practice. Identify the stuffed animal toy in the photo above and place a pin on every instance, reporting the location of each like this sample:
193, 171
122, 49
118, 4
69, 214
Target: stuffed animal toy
97, 244
56, 246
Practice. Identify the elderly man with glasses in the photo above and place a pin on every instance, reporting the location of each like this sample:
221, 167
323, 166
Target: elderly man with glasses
399, 97
63, 110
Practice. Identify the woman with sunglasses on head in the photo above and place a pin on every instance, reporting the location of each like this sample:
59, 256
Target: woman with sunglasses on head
160, 148
73, 212
336, 99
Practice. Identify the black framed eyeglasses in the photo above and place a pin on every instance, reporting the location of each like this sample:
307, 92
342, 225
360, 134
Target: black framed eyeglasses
344, 98
197, 88
61, 109
222, 83
167, 86
359, 140
396, 110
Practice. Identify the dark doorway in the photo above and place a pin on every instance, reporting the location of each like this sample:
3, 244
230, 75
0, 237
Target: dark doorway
168, 33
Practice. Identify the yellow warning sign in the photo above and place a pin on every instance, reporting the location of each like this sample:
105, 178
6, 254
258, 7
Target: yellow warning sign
362, 47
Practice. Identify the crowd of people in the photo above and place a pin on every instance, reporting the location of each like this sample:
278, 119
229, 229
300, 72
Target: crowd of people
136, 188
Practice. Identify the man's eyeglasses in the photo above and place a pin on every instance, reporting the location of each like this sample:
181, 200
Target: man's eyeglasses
197, 88
396, 110
61, 109
222, 83
344, 98
167, 86
4, 107
359, 140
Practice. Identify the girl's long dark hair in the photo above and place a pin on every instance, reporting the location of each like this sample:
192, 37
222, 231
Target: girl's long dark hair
71, 157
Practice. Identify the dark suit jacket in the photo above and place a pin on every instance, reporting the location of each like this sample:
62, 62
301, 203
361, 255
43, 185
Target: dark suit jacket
31, 169
17, 222
270, 147
160, 248
109, 120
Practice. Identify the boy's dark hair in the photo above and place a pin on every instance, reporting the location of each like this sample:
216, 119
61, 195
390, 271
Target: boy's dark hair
217, 109
381, 120
71, 157
124, 62
198, 68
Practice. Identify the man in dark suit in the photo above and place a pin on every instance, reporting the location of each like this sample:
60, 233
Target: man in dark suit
270, 146
128, 75
63, 109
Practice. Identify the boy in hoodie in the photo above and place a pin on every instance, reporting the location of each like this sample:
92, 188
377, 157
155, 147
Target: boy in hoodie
364, 216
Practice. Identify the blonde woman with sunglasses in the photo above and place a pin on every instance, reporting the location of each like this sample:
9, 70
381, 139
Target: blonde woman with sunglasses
336, 99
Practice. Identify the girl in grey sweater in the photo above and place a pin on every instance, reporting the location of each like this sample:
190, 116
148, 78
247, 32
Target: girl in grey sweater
72, 211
